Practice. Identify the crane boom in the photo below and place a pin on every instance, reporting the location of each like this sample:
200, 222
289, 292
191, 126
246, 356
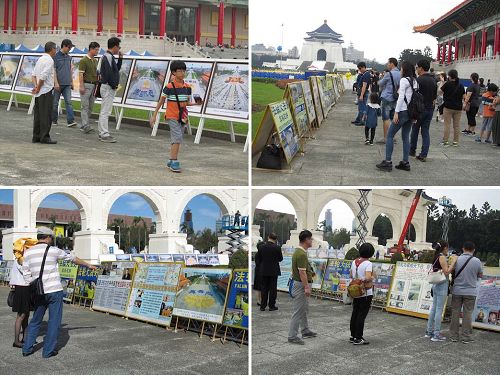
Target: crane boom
413, 207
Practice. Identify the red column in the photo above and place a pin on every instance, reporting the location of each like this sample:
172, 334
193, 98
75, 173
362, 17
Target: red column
14, 14
100, 12
439, 53
496, 42
484, 38
197, 33
473, 45
74, 16
220, 31
6, 16
55, 14
163, 18
141, 17
35, 16
449, 52
119, 22
443, 54
456, 49
27, 14
233, 27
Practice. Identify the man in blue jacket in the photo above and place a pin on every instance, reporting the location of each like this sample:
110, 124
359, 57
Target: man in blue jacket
63, 83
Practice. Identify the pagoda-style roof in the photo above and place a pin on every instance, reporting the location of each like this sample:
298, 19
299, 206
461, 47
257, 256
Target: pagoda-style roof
324, 33
465, 14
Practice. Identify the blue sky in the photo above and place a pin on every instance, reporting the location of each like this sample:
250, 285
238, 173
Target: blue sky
205, 210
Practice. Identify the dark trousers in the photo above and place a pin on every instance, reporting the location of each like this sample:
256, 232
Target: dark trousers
360, 308
269, 291
372, 133
42, 120
471, 115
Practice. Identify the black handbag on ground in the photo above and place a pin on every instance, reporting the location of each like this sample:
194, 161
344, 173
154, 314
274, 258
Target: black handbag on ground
10, 298
270, 157
36, 286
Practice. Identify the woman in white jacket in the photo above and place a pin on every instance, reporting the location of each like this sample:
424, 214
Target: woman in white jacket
401, 119
22, 303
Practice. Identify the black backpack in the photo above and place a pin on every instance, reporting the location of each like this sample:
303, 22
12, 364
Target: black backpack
416, 105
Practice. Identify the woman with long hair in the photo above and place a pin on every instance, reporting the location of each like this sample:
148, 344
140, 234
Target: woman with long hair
471, 104
439, 292
439, 98
401, 119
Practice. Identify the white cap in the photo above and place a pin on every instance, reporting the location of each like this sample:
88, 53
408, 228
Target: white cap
45, 230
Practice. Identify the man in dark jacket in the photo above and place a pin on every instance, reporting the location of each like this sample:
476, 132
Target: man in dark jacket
268, 260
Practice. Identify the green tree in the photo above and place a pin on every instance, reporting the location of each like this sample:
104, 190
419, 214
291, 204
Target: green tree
492, 260
396, 257
382, 228
204, 240
352, 254
338, 238
239, 260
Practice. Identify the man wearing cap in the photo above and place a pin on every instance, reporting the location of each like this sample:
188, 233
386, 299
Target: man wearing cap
53, 291
63, 83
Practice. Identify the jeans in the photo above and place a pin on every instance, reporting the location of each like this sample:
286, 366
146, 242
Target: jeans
66, 93
457, 303
269, 291
300, 306
360, 309
439, 291
388, 109
404, 124
108, 96
361, 109
422, 125
53, 302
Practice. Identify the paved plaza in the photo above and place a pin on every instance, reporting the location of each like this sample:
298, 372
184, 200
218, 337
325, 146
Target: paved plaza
338, 156
137, 159
397, 345
95, 343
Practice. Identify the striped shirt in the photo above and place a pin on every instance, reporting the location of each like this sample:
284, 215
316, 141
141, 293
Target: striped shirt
33, 258
184, 94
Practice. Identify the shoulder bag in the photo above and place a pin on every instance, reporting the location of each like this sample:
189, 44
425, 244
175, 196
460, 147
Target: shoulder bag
356, 287
36, 286
455, 275
395, 94
437, 277
183, 112
10, 298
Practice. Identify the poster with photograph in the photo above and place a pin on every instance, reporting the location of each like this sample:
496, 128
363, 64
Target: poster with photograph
124, 74
203, 293
236, 314
382, 283
336, 278
179, 258
487, 308
286, 273
153, 292
68, 271
228, 94
75, 71
146, 83
125, 257
8, 70
151, 257
5, 267
138, 257
190, 259
213, 260
317, 101
86, 280
410, 293
24, 80
323, 94
309, 101
113, 287
198, 75
297, 101
166, 258
202, 259
319, 267
283, 121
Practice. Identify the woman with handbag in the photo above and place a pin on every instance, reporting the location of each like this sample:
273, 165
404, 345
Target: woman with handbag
471, 104
21, 303
439, 278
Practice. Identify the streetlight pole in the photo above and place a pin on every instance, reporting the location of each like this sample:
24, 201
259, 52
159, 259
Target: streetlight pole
281, 53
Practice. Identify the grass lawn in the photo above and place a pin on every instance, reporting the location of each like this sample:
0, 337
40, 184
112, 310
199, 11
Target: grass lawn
262, 95
211, 124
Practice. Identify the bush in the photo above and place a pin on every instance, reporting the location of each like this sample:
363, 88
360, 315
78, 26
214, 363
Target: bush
396, 257
239, 260
352, 254
427, 257
492, 260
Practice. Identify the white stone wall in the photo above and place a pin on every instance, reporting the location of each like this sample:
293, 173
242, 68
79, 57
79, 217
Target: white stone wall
310, 51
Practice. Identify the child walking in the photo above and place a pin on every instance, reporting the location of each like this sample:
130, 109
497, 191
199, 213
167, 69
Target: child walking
177, 94
373, 112
488, 113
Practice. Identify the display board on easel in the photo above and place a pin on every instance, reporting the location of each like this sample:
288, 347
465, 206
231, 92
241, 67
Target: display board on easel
68, 271
309, 101
317, 101
319, 268
336, 278
237, 308
86, 280
278, 122
410, 292
486, 313
382, 283
286, 273
295, 96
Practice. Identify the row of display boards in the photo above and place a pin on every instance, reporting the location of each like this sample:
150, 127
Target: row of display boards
222, 84
400, 288
291, 121
154, 292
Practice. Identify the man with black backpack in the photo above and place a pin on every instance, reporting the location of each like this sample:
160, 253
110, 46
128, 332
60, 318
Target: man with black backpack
468, 270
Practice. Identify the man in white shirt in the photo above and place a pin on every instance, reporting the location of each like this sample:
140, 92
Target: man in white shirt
52, 288
43, 80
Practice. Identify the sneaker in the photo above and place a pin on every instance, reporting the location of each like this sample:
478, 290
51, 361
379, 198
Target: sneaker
169, 163
441, 120
403, 165
421, 158
444, 143
107, 139
385, 166
487, 141
274, 308
472, 133
468, 341
351, 340
438, 337
465, 131
428, 335
453, 339
296, 340
413, 153
175, 166
86, 129
478, 140
455, 144
355, 122
367, 142
360, 342
371, 143
309, 334
71, 124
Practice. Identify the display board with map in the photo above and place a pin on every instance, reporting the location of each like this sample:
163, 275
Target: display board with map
24, 81
153, 292
8, 71
237, 309
286, 273
296, 99
146, 83
203, 293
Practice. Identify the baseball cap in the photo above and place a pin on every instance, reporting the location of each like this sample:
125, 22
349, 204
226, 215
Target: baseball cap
45, 231
67, 43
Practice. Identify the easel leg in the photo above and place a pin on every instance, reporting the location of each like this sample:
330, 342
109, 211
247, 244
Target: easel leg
155, 126
199, 131
231, 130
120, 117
225, 335
215, 332
10, 101
176, 323
202, 330
189, 130
32, 106
247, 142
